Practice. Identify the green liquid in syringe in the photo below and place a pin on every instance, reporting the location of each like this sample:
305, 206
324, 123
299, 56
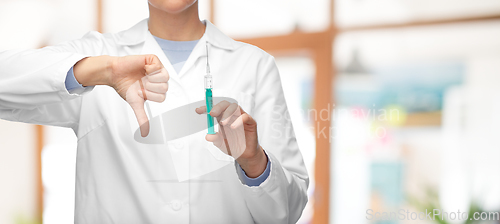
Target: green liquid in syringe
210, 119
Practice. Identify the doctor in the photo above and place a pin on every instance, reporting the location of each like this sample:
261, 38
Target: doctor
99, 86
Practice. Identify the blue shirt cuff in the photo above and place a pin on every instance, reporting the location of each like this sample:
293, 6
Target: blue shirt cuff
71, 82
252, 182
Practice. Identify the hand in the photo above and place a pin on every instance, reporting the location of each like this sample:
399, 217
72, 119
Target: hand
139, 78
237, 137
135, 78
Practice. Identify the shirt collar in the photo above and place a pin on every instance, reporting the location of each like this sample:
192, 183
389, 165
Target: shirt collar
137, 35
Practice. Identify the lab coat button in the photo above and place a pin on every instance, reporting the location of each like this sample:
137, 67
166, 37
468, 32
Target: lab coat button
176, 205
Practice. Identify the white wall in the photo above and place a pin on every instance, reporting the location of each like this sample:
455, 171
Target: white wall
17, 171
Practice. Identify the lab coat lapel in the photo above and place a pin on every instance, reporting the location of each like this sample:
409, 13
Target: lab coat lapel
198, 52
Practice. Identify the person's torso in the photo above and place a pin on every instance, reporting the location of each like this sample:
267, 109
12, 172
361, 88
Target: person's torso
174, 175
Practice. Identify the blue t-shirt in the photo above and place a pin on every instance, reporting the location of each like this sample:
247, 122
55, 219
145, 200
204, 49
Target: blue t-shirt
177, 52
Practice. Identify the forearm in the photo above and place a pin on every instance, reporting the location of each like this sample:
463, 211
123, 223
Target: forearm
31, 78
32, 88
93, 71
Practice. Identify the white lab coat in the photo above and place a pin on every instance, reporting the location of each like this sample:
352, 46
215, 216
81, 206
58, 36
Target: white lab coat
184, 179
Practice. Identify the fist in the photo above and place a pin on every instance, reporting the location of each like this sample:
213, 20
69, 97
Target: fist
138, 78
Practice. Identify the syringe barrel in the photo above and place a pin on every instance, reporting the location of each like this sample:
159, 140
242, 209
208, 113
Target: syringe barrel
208, 82
209, 104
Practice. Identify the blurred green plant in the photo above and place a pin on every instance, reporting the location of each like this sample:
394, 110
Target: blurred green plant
23, 219
430, 202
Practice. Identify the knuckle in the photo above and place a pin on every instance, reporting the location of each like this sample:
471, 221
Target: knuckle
153, 57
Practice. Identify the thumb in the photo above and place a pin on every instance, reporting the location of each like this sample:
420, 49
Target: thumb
136, 101
142, 118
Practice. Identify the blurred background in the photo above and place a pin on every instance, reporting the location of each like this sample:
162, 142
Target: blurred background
395, 103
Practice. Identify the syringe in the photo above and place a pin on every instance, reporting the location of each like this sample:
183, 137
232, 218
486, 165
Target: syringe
208, 97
